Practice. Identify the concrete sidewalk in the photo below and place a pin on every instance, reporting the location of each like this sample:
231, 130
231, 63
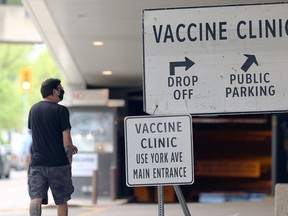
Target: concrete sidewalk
120, 208
14, 201
104, 207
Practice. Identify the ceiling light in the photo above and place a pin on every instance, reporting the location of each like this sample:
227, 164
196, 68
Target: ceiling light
98, 43
107, 72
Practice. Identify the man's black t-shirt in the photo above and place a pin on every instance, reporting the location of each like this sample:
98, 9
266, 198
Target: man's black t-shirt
47, 120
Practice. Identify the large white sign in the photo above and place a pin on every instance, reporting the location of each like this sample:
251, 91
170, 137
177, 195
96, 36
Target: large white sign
159, 150
209, 60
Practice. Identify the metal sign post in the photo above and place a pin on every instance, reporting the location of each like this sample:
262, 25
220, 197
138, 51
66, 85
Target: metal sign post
160, 201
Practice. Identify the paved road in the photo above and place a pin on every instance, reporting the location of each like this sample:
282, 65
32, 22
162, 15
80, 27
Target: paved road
13, 191
14, 201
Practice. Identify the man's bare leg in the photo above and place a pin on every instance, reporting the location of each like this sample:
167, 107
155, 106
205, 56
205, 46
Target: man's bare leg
35, 207
62, 209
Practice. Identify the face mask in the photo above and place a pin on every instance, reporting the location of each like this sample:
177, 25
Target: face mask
61, 94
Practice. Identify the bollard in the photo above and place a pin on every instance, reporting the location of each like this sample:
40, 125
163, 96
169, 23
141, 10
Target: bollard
94, 186
113, 182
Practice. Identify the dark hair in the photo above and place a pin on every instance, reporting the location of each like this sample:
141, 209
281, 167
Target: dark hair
48, 86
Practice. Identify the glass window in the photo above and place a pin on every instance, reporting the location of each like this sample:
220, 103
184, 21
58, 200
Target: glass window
93, 131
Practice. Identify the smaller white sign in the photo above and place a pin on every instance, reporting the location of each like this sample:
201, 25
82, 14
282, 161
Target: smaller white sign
84, 164
159, 150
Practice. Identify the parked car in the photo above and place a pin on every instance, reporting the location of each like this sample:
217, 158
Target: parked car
20, 159
5, 162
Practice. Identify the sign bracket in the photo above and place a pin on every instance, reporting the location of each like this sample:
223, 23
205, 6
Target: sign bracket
182, 200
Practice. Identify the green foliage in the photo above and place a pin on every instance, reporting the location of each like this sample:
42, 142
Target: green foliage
15, 104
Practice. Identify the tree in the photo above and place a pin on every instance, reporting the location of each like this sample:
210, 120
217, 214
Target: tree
12, 100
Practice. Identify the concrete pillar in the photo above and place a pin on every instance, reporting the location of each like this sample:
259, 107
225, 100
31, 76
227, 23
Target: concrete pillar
281, 200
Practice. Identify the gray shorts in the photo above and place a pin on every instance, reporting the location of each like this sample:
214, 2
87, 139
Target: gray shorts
59, 179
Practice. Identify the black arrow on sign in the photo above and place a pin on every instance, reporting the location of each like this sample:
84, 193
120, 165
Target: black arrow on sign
187, 64
250, 60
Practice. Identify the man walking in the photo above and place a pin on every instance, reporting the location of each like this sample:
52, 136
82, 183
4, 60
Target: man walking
51, 150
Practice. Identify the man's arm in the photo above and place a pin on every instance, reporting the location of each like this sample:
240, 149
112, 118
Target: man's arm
70, 149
